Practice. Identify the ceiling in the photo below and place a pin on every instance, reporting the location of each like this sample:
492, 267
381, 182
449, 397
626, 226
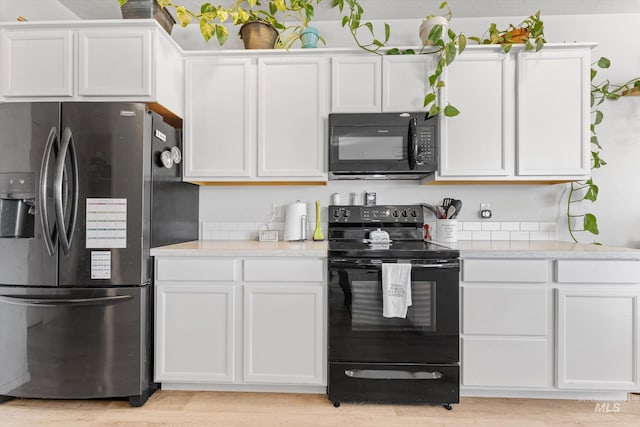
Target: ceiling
374, 9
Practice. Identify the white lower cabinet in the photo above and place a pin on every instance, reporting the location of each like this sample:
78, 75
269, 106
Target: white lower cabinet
283, 334
598, 325
195, 332
514, 344
223, 323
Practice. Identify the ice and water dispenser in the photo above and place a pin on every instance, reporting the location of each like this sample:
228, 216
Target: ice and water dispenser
17, 205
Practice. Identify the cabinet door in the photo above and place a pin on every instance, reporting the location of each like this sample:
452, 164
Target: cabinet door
597, 338
114, 62
292, 106
553, 98
37, 64
195, 332
220, 118
284, 334
479, 141
405, 80
356, 84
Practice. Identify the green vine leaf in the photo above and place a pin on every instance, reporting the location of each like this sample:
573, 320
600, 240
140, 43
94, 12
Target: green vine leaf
598, 118
451, 111
597, 161
591, 223
604, 62
592, 192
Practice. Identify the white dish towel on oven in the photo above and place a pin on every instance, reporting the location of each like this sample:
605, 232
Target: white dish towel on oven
396, 289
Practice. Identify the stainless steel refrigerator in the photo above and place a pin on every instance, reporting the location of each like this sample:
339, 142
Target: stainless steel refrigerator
86, 189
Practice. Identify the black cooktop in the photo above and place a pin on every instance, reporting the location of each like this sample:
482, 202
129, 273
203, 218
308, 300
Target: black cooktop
350, 228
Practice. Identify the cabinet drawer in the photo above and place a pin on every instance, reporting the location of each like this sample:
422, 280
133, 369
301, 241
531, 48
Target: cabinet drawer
196, 269
517, 310
596, 271
505, 362
283, 270
517, 270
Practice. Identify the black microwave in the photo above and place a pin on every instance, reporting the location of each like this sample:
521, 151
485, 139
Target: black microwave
382, 145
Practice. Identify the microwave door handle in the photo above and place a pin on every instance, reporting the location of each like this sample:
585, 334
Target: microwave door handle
412, 148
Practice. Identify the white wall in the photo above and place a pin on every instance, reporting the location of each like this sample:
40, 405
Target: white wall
618, 209
34, 10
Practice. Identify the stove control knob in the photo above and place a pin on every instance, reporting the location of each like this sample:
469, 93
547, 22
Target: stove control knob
336, 213
405, 213
347, 213
414, 213
395, 213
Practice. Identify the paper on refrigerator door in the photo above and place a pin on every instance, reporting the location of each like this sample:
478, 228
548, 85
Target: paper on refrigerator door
100, 265
106, 223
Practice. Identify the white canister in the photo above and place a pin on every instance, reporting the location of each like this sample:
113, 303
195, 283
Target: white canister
335, 199
447, 230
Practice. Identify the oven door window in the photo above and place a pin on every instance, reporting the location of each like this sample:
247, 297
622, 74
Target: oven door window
366, 303
369, 148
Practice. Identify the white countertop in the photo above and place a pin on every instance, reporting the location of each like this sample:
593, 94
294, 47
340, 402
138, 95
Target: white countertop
540, 249
468, 249
239, 248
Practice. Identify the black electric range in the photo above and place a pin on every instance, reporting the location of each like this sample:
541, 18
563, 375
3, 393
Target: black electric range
399, 359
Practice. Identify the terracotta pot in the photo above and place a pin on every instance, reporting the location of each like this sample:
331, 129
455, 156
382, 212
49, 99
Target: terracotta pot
518, 35
258, 35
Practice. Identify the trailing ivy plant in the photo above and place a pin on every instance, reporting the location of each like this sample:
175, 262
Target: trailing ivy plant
580, 191
444, 43
530, 32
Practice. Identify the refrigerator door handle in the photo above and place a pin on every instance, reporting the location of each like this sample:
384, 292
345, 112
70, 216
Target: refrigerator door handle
54, 302
49, 231
65, 234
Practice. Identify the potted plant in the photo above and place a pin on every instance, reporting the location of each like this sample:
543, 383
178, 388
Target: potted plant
529, 32
212, 19
302, 11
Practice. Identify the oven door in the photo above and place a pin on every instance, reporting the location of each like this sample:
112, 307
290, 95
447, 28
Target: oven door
358, 331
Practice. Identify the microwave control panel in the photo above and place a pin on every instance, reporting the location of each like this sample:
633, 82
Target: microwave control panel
426, 146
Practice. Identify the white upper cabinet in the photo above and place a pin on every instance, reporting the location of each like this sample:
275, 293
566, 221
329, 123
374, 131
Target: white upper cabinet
109, 62
219, 127
553, 101
292, 111
405, 81
524, 116
356, 84
36, 63
114, 62
479, 141
255, 119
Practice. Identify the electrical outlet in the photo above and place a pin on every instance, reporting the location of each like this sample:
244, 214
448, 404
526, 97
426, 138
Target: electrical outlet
276, 212
485, 210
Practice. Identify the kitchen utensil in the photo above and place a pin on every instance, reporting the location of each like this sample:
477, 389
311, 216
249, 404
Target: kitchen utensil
451, 211
458, 205
317, 233
446, 202
295, 226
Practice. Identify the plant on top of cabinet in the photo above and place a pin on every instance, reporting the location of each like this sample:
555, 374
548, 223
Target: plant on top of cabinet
243, 12
588, 190
529, 32
306, 34
438, 40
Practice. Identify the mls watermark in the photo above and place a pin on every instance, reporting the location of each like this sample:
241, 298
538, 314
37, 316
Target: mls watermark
608, 407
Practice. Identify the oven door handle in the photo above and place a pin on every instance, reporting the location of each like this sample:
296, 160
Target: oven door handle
387, 374
351, 263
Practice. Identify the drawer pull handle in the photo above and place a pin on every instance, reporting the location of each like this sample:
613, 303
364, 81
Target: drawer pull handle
374, 374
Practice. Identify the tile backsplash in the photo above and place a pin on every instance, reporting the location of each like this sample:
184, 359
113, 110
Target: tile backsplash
467, 230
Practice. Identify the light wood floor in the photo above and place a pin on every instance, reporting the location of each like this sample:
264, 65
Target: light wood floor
180, 408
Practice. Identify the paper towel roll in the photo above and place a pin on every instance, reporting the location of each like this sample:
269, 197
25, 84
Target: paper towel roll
295, 227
